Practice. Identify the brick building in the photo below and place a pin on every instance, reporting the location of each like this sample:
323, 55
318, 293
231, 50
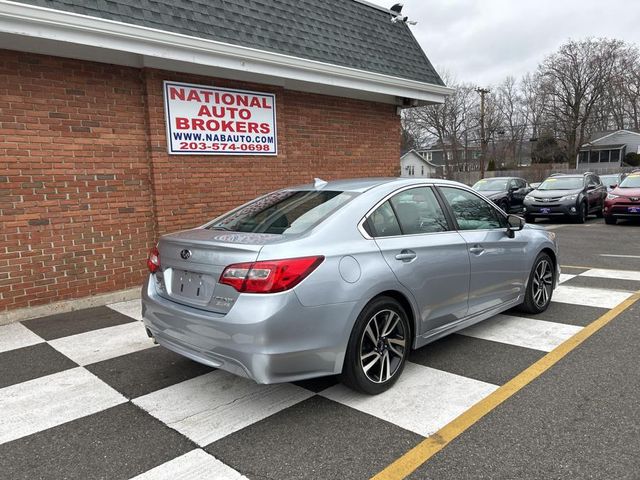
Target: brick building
86, 180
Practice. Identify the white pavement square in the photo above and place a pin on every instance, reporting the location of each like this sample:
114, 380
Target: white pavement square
103, 344
194, 465
612, 274
212, 406
46, 402
590, 297
523, 332
16, 335
565, 277
423, 400
131, 308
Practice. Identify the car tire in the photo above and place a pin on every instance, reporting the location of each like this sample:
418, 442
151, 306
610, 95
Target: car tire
504, 205
375, 358
583, 212
610, 220
541, 278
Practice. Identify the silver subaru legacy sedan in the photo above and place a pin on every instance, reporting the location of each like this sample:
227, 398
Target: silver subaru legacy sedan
342, 277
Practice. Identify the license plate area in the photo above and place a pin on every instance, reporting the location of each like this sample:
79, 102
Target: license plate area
633, 209
545, 210
192, 286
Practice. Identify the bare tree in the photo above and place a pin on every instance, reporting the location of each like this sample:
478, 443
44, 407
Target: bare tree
575, 78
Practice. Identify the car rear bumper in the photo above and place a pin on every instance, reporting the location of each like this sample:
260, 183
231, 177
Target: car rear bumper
268, 338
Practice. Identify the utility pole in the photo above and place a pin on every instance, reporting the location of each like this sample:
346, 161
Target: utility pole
483, 139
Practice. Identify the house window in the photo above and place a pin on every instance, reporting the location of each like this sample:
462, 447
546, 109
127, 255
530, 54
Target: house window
615, 155
429, 156
593, 157
604, 156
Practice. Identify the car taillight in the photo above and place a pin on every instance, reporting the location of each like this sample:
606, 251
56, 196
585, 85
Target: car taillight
269, 276
153, 260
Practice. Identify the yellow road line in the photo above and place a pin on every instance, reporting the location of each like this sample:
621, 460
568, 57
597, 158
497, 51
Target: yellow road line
426, 449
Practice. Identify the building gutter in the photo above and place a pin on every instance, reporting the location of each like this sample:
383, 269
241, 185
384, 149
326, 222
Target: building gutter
157, 47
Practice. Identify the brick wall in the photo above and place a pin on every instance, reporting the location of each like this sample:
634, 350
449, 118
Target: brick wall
86, 184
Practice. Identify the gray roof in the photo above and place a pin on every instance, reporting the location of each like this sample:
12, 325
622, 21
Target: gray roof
340, 32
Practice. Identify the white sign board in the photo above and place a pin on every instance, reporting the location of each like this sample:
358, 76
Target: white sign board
205, 120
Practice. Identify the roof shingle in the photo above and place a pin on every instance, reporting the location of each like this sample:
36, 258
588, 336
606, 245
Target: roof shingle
340, 32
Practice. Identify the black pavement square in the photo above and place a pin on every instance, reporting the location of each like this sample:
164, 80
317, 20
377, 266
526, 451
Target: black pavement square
117, 443
319, 384
78, 321
603, 283
146, 371
23, 364
314, 439
579, 315
484, 360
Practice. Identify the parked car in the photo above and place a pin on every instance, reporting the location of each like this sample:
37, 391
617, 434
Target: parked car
506, 192
573, 196
612, 180
344, 277
624, 200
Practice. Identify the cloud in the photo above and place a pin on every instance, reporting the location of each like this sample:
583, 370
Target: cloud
482, 42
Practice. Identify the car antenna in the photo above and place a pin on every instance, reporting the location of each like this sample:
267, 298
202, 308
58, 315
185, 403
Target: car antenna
318, 183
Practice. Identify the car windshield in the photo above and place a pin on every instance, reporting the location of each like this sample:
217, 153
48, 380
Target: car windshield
632, 181
562, 183
609, 180
489, 185
284, 212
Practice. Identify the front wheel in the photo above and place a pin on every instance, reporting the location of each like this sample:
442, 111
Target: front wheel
378, 347
540, 286
582, 213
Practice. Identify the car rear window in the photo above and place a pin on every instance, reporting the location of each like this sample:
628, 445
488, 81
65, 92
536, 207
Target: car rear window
284, 212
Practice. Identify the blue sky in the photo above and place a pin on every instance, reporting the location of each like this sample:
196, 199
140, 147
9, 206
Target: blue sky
483, 41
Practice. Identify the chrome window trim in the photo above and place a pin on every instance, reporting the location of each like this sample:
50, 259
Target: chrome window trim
364, 233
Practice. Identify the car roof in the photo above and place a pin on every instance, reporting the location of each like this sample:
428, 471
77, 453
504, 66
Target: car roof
363, 184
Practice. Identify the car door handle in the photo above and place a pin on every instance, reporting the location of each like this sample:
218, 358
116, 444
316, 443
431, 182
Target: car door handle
476, 249
406, 255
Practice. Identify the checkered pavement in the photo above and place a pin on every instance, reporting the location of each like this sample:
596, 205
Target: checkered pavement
86, 395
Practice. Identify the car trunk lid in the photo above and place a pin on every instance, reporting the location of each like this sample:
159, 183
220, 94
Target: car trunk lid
193, 260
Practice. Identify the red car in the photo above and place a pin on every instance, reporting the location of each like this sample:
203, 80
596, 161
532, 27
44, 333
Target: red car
624, 200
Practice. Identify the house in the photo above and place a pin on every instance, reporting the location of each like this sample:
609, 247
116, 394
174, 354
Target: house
468, 158
125, 120
608, 149
412, 164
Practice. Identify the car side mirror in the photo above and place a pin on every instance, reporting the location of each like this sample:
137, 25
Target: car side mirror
513, 189
515, 224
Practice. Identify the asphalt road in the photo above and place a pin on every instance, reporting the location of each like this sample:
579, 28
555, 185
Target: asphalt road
86, 394
581, 418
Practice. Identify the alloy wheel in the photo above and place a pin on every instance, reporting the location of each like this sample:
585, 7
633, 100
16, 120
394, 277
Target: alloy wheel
382, 346
542, 283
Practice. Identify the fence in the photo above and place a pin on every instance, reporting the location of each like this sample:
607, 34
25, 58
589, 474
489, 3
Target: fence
536, 173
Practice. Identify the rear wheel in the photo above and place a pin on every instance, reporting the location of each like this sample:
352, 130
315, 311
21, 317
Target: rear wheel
540, 285
610, 220
378, 347
504, 205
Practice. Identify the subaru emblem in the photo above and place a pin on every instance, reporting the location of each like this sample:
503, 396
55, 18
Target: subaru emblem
185, 254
